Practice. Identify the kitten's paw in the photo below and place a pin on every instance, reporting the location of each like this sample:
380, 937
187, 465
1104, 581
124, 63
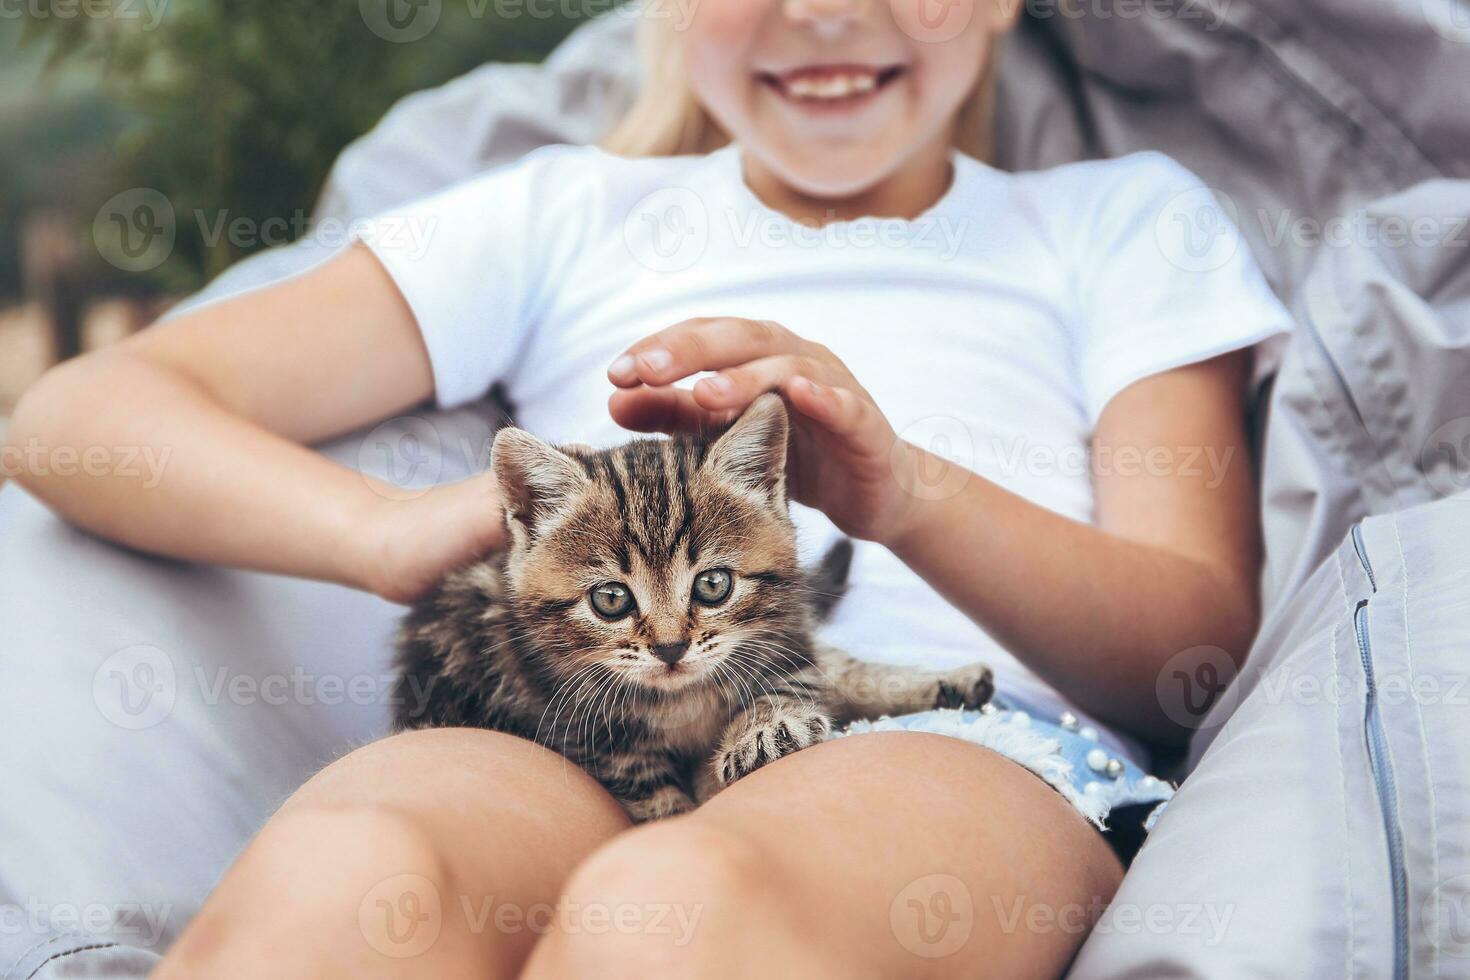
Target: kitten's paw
666, 801
764, 734
966, 687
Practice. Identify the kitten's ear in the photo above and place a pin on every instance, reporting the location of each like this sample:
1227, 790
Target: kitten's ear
536, 479
751, 455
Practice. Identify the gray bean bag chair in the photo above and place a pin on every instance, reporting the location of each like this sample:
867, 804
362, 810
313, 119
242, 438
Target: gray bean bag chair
154, 714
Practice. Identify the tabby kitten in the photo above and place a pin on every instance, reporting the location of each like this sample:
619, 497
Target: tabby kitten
649, 620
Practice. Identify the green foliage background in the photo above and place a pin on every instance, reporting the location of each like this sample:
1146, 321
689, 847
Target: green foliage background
228, 106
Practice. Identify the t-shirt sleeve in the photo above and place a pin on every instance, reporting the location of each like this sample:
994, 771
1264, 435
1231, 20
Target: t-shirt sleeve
473, 263
1165, 279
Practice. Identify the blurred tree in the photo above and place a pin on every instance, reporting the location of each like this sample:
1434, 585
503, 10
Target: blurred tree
233, 110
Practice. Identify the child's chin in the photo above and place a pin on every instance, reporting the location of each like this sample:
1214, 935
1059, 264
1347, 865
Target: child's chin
839, 174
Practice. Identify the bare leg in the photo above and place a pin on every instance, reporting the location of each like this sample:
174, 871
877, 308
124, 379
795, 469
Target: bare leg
429, 854
887, 855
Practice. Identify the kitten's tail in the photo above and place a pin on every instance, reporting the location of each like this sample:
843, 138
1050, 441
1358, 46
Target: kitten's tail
827, 583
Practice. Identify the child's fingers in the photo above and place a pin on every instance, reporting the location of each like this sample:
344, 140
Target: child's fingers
823, 404
840, 411
737, 387
704, 344
668, 410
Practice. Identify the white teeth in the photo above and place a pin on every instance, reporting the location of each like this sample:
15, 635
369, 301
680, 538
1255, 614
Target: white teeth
839, 86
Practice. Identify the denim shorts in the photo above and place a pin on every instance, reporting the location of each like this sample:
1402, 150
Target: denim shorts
1108, 789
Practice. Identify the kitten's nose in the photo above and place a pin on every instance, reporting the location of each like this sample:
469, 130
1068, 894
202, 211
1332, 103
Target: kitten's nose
671, 653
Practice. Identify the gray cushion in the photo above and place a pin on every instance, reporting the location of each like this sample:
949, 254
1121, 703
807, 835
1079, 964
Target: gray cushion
1295, 849
156, 713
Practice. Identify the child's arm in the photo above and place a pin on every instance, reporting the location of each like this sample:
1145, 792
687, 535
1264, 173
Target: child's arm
1097, 610
1171, 565
220, 402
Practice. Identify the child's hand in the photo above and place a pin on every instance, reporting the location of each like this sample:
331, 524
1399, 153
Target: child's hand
407, 544
845, 458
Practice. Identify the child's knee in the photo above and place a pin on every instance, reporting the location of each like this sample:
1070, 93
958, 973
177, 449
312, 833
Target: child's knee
357, 881
674, 860
364, 839
674, 898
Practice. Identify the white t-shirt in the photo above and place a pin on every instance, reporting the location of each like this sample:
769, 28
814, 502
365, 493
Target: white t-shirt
993, 328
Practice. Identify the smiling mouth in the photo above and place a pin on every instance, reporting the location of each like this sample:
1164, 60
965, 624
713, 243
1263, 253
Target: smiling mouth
831, 84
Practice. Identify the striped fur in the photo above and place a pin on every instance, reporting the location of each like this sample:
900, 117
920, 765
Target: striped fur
515, 644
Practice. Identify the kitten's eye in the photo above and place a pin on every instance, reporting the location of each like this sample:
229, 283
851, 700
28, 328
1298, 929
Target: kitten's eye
611, 600
713, 587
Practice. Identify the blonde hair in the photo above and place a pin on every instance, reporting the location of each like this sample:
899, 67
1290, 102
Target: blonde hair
667, 120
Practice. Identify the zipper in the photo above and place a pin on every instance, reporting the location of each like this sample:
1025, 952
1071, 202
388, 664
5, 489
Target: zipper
1362, 551
1381, 765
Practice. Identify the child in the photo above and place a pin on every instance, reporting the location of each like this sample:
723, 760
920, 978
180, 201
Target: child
1000, 384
